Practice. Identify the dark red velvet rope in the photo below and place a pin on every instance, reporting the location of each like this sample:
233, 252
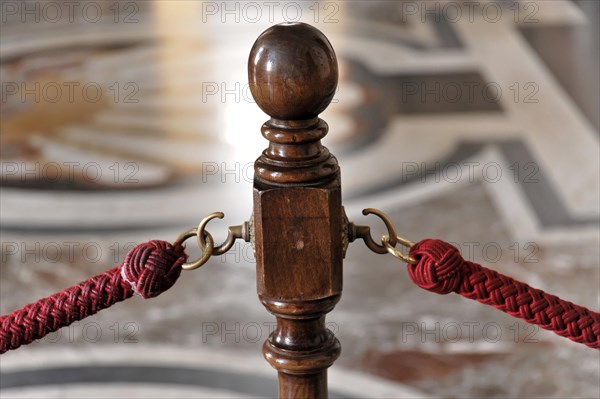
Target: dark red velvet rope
148, 270
440, 268
153, 267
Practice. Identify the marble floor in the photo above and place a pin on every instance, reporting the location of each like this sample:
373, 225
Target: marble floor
477, 124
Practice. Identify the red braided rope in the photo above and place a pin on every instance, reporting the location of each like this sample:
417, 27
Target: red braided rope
441, 269
149, 269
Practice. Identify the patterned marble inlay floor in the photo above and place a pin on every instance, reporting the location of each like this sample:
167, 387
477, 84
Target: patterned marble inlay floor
512, 179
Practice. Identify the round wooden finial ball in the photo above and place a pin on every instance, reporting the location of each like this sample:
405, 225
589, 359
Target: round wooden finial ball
292, 71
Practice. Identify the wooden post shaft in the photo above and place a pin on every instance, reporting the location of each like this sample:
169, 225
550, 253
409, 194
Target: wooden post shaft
298, 222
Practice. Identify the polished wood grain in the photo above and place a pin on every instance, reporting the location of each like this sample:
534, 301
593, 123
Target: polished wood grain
298, 223
292, 71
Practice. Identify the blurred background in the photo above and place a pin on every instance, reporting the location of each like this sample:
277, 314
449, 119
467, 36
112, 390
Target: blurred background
475, 122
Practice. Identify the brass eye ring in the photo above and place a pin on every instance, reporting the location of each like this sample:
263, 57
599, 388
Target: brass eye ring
394, 252
207, 248
390, 228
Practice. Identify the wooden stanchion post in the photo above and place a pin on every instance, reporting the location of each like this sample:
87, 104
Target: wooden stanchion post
298, 221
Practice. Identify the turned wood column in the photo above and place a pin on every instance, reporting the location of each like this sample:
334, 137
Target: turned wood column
298, 219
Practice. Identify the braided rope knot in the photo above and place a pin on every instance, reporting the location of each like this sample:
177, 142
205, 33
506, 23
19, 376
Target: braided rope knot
148, 270
153, 267
438, 268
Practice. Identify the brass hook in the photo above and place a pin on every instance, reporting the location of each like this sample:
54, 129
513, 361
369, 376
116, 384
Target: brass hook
389, 240
364, 232
233, 233
202, 225
207, 243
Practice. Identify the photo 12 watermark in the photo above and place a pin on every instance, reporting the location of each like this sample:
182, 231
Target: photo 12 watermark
467, 331
252, 12
72, 172
50, 252
453, 12
70, 92
71, 12
285, 92
470, 92
494, 252
469, 172
93, 332
235, 332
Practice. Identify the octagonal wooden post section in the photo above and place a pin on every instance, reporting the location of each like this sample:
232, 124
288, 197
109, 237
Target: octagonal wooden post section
298, 220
